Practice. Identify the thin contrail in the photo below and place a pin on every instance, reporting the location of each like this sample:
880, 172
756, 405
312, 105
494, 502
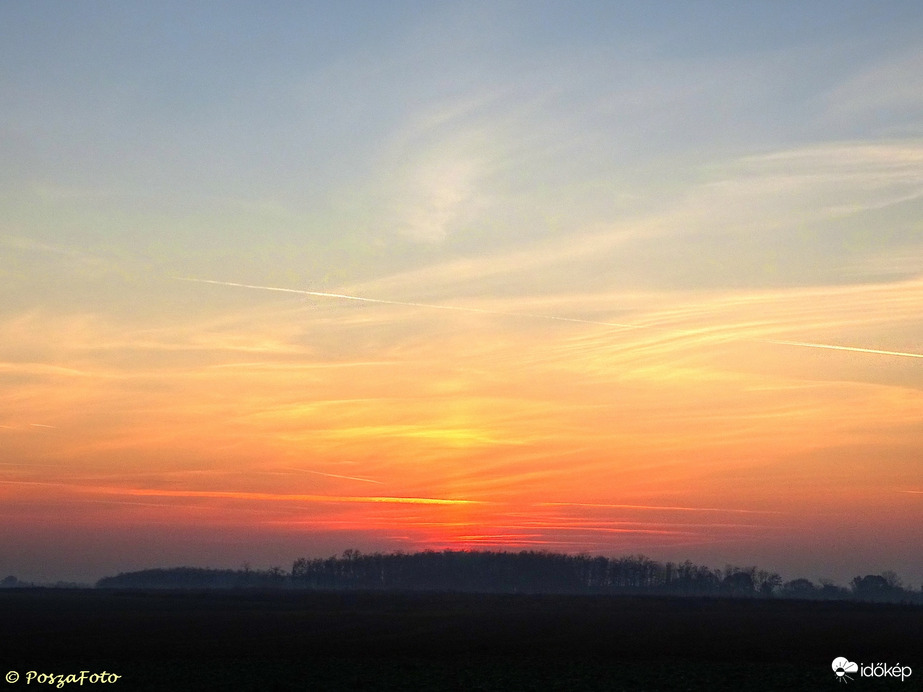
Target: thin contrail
845, 348
336, 475
483, 311
434, 306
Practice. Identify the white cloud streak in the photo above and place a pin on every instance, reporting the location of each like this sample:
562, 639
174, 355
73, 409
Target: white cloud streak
458, 308
855, 349
432, 306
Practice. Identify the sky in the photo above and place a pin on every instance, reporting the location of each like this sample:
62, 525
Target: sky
279, 279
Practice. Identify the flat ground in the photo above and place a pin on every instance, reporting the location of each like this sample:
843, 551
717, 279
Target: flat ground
296, 640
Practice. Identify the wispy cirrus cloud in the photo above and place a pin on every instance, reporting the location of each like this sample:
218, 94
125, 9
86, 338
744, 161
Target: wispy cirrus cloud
892, 84
241, 495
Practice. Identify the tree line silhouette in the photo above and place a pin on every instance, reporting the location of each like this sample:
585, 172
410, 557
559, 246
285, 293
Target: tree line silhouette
528, 572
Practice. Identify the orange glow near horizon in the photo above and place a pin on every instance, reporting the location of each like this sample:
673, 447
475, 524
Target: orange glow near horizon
580, 438
467, 277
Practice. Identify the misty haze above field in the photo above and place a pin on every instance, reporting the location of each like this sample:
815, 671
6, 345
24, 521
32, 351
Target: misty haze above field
526, 572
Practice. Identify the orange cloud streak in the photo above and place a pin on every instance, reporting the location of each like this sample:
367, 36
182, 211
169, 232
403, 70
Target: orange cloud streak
243, 495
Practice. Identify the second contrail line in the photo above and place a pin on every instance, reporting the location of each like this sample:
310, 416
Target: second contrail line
483, 311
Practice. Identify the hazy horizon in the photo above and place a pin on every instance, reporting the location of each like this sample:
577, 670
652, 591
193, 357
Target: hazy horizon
278, 572
284, 279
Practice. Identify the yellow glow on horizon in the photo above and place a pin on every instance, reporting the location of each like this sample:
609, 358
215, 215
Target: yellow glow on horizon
571, 436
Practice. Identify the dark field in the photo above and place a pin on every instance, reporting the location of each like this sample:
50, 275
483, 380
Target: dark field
295, 640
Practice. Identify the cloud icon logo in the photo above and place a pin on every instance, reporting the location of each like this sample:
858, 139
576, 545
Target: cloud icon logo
841, 666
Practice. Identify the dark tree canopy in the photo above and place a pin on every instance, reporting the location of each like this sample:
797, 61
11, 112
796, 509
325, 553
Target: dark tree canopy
524, 572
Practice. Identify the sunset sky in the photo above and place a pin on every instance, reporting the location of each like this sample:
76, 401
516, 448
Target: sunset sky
639, 277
